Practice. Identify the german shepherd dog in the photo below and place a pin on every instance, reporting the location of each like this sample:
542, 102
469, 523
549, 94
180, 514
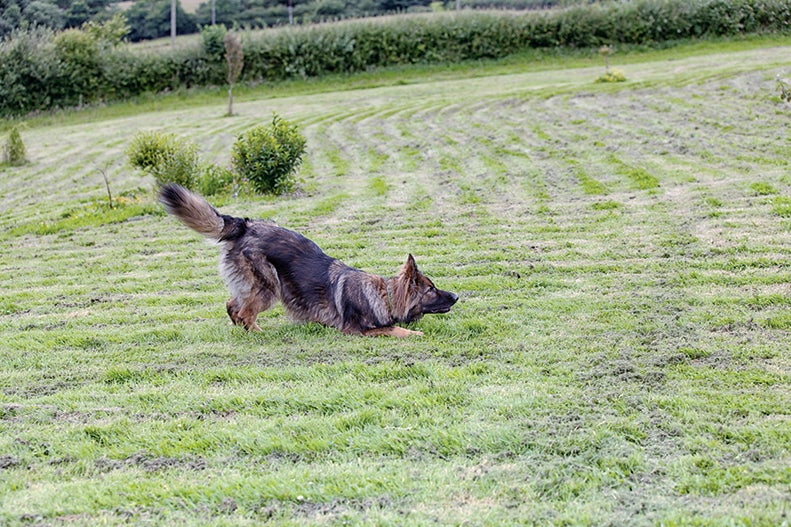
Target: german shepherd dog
262, 263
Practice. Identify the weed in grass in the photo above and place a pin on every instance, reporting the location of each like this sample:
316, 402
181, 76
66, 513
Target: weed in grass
640, 178
168, 158
606, 205
782, 206
329, 204
340, 166
378, 186
763, 189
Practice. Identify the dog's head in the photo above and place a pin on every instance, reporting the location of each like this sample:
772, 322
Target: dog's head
415, 295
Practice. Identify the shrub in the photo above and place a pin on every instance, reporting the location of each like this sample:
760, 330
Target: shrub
212, 39
28, 70
215, 180
612, 75
109, 33
14, 152
268, 156
167, 158
80, 72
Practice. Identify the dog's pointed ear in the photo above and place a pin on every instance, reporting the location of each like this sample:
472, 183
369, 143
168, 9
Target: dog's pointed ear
410, 269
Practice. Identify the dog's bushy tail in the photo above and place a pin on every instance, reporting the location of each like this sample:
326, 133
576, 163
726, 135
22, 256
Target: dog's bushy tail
197, 214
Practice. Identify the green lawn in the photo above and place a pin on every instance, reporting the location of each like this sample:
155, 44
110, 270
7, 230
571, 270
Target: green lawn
619, 354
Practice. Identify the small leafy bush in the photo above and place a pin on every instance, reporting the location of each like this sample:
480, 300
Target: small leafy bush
14, 152
215, 180
612, 75
166, 157
268, 156
782, 206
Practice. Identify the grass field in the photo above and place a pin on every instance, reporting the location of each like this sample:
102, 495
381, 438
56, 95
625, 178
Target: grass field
619, 355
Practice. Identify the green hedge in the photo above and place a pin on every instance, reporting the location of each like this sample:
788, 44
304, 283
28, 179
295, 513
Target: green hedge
39, 71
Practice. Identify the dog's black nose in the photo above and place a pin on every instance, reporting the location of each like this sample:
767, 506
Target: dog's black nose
454, 297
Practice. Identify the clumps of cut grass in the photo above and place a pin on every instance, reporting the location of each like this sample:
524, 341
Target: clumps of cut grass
329, 204
640, 178
779, 321
91, 214
763, 189
379, 186
782, 206
606, 205
590, 185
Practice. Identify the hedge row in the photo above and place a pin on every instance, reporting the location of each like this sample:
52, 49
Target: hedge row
450, 37
40, 70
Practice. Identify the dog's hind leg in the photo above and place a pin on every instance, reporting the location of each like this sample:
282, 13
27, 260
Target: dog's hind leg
245, 312
263, 293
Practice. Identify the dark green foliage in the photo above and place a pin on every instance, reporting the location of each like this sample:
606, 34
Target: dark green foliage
24, 67
109, 33
173, 160
77, 13
166, 157
40, 69
14, 152
77, 53
267, 156
45, 14
50, 14
32, 76
151, 19
226, 13
215, 180
212, 39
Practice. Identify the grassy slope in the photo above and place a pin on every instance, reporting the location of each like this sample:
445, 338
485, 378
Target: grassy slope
619, 354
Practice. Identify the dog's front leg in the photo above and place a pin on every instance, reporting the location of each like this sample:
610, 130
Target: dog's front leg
391, 331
